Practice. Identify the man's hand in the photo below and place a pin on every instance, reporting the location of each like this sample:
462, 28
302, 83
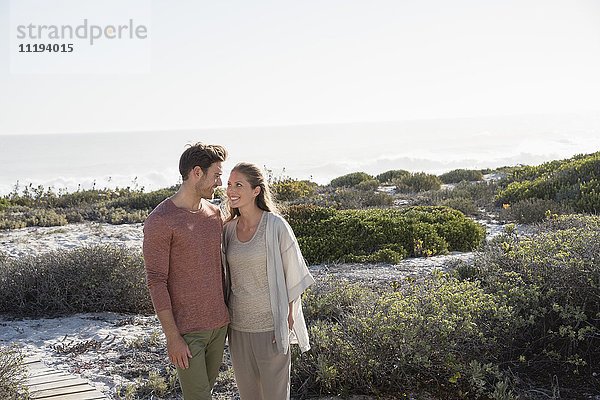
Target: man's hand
179, 352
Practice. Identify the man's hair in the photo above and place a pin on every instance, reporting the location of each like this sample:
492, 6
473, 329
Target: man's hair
201, 155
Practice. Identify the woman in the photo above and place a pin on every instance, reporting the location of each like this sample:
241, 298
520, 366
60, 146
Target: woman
266, 275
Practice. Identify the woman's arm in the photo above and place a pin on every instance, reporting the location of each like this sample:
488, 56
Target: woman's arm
291, 316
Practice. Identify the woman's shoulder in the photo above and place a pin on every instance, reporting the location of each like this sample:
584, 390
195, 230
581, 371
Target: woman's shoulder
230, 224
280, 224
277, 219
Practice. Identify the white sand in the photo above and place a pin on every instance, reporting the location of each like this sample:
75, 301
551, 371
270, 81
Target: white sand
59, 342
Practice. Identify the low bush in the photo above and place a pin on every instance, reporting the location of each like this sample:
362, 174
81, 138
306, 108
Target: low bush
12, 374
21, 217
292, 190
328, 235
481, 194
137, 200
347, 198
459, 175
350, 180
462, 204
87, 279
41, 207
438, 336
557, 324
417, 182
574, 182
368, 186
532, 210
522, 320
4, 204
390, 176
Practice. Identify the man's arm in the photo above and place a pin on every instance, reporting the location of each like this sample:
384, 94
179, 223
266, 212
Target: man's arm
157, 249
177, 348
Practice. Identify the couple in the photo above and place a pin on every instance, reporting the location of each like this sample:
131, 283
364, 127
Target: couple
240, 277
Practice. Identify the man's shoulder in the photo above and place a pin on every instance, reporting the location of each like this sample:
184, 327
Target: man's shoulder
159, 214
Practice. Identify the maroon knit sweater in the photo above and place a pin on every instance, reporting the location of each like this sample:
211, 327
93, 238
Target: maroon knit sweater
182, 255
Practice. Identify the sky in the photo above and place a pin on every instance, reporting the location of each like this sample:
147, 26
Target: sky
314, 88
284, 63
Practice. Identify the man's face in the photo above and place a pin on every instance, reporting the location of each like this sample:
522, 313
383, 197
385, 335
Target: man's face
209, 181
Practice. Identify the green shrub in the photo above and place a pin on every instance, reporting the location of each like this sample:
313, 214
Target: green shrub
350, 198
117, 216
87, 279
418, 182
531, 210
140, 200
427, 336
368, 186
390, 176
40, 207
462, 204
327, 235
21, 217
571, 221
589, 197
11, 220
291, 189
573, 182
350, 180
4, 204
467, 195
376, 199
459, 175
557, 325
12, 374
40, 217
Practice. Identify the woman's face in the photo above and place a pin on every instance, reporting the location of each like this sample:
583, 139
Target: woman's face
239, 190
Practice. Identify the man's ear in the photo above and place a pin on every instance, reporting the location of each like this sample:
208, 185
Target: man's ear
198, 171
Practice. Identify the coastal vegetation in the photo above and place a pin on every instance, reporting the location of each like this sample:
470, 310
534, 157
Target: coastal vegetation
520, 320
381, 235
574, 183
12, 374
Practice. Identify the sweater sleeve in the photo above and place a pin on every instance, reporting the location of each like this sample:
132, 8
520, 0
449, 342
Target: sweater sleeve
297, 275
157, 249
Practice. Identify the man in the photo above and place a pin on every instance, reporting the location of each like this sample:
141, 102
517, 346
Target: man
182, 255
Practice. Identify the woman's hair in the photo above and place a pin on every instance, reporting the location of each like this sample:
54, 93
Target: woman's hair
255, 177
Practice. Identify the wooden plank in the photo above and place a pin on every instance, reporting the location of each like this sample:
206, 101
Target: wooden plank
95, 395
49, 378
37, 367
49, 385
53, 392
41, 372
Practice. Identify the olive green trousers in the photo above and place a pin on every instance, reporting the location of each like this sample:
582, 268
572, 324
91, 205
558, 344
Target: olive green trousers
199, 378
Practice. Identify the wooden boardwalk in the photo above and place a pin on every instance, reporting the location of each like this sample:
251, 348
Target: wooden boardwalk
50, 384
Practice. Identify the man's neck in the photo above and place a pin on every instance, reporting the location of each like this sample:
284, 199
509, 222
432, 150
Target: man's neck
187, 199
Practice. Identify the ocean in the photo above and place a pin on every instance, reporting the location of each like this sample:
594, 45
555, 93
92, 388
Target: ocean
317, 152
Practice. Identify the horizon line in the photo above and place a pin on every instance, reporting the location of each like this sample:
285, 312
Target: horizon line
309, 124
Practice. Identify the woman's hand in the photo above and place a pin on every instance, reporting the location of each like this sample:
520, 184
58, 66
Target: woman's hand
290, 317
